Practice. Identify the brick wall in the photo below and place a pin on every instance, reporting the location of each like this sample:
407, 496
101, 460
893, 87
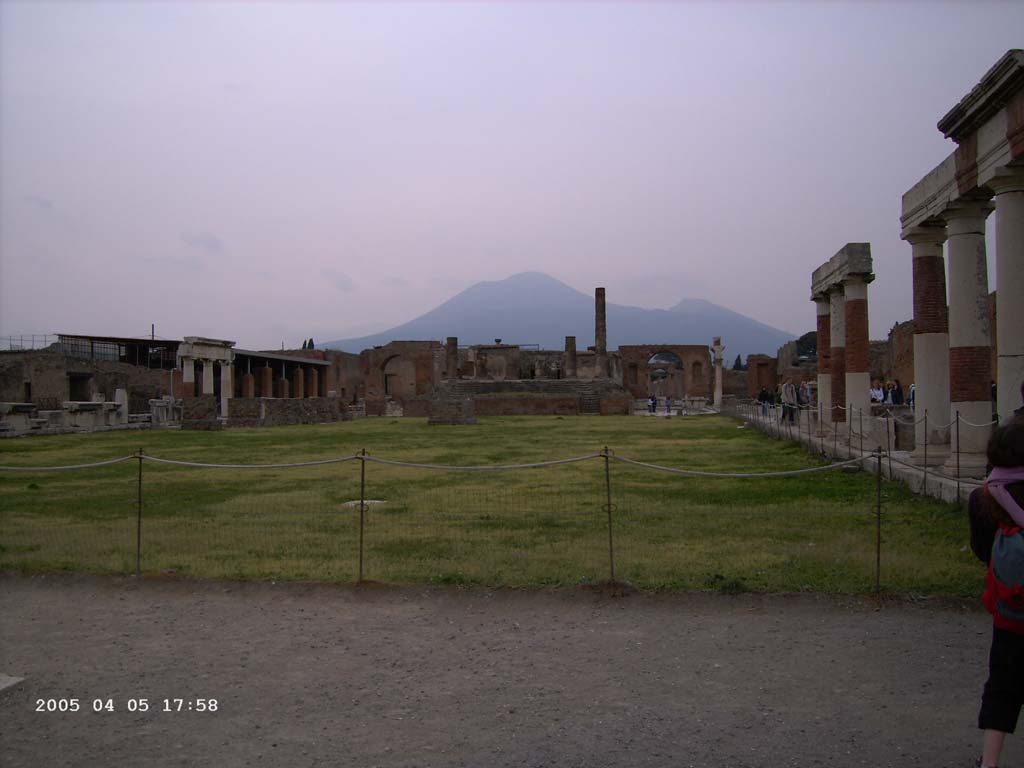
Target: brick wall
199, 413
274, 412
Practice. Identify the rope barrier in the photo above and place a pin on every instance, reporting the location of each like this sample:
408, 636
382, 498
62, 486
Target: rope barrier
69, 466
175, 462
972, 424
484, 468
695, 473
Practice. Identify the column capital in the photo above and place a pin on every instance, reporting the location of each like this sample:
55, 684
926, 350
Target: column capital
1009, 178
925, 235
967, 217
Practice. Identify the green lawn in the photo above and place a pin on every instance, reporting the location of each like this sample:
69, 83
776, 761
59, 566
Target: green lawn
532, 527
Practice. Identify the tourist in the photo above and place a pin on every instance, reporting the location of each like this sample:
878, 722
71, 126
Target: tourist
668, 405
877, 394
788, 400
897, 393
910, 397
995, 512
764, 397
652, 404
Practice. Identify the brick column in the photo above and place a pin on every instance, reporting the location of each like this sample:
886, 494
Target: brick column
718, 349
313, 383
570, 357
225, 387
858, 365
248, 385
970, 337
1008, 185
207, 377
451, 358
824, 310
299, 383
931, 344
188, 377
266, 381
600, 336
837, 362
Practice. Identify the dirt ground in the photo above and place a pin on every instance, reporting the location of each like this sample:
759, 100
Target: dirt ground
322, 675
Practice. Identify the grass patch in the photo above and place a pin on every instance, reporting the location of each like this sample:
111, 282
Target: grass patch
538, 527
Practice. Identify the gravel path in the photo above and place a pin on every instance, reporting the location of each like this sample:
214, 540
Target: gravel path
317, 675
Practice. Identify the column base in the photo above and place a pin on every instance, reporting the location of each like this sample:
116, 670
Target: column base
971, 464
937, 454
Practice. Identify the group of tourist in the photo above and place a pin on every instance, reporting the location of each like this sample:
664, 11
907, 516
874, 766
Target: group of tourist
787, 394
890, 394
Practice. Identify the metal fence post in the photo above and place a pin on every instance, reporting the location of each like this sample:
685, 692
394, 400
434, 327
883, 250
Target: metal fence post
138, 522
362, 508
888, 445
878, 520
924, 478
958, 459
608, 493
860, 418
835, 439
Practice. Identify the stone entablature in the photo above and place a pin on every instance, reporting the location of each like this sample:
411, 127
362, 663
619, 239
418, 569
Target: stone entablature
852, 260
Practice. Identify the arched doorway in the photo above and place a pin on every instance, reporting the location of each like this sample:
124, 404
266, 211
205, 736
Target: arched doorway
399, 376
666, 380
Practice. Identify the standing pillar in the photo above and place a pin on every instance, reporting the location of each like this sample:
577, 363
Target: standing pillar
248, 385
931, 344
824, 309
266, 381
718, 350
1008, 185
282, 383
313, 383
451, 357
569, 365
858, 363
207, 377
837, 367
188, 377
600, 336
970, 337
225, 387
299, 383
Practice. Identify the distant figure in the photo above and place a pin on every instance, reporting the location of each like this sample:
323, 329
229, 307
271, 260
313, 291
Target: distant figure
652, 404
877, 393
764, 397
897, 393
910, 397
789, 401
668, 405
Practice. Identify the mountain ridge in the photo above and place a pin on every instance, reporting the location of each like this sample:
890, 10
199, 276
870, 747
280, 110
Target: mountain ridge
535, 308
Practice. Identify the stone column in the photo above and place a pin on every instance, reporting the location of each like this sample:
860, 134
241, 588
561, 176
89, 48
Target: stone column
931, 344
570, 357
299, 383
837, 362
451, 357
824, 309
970, 337
1008, 185
207, 377
248, 385
600, 336
188, 377
718, 349
313, 383
225, 387
266, 381
858, 364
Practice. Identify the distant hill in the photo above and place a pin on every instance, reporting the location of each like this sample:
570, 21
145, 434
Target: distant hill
534, 308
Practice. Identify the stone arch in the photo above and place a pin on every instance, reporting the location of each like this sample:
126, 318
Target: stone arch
398, 374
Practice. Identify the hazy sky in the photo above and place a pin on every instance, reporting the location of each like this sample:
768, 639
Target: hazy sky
266, 172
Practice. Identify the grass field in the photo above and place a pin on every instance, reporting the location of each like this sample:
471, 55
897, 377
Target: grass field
534, 527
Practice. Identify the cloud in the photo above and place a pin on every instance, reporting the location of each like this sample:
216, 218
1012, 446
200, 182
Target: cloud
395, 281
207, 242
338, 279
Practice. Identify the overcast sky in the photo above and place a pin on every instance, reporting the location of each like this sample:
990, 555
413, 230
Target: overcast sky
270, 172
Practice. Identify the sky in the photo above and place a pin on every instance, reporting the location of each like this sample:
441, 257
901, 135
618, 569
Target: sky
269, 172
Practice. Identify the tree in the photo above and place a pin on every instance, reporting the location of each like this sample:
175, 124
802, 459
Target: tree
310, 343
304, 344
807, 344
738, 365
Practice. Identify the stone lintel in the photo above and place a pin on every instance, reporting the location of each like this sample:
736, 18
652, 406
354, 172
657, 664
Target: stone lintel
853, 259
996, 88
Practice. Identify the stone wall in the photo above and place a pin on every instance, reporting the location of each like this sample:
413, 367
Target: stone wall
541, 364
524, 404
452, 412
275, 412
199, 413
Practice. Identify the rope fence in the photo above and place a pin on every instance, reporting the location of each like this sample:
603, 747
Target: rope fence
591, 518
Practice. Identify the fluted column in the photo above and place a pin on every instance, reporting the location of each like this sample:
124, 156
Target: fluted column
970, 337
931, 344
858, 363
837, 367
1009, 199
570, 357
824, 310
225, 387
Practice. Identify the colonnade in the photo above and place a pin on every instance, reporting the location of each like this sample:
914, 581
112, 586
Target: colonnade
951, 207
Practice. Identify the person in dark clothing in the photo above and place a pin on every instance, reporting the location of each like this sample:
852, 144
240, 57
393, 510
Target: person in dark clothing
999, 504
897, 393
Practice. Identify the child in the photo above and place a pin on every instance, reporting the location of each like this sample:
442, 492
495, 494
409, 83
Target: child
996, 514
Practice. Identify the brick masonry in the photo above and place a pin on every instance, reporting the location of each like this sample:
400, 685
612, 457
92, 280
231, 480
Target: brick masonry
273, 412
930, 312
824, 343
970, 374
857, 359
199, 413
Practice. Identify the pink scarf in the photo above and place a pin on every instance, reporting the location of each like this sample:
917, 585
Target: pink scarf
996, 482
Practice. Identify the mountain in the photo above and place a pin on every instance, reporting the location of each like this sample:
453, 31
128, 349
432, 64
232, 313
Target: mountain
534, 308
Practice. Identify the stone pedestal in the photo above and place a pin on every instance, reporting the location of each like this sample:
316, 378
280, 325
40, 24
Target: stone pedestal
931, 345
1009, 199
970, 339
